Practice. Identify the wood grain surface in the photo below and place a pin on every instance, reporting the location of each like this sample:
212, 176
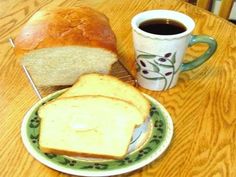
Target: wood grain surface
202, 105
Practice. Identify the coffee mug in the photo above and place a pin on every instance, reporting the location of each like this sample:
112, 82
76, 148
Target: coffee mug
161, 38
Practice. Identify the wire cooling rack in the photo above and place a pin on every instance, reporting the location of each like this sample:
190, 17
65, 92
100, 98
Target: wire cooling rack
118, 70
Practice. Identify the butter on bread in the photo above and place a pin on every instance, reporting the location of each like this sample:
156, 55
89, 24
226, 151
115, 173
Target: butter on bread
107, 85
91, 126
58, 45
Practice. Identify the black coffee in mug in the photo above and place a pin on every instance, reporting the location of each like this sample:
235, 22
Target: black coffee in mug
162, 26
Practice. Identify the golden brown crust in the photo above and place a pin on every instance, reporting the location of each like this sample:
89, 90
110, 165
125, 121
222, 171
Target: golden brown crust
66, 26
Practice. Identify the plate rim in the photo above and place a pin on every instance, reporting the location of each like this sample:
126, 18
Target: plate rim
108, 172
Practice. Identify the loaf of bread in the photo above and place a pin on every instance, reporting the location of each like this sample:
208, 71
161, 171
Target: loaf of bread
58, 45
107, 85
91, 126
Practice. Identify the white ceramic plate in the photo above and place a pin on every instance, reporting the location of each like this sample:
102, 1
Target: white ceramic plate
149, 141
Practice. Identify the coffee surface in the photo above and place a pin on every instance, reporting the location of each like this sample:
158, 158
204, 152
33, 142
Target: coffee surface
162, 26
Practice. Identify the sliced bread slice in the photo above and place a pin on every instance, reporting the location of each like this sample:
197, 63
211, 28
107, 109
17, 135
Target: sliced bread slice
93, 126
107, 85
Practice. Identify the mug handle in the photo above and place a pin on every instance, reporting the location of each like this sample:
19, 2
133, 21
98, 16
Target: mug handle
205, 56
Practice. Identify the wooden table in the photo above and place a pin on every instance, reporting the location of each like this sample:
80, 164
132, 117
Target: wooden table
202, 105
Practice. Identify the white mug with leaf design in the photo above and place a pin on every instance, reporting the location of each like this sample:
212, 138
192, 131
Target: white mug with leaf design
161, 38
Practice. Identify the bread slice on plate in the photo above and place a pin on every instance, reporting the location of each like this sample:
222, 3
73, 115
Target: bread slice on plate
58, 45
107, 85
92, 126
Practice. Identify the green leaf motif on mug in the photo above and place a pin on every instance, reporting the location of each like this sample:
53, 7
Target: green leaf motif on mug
174, 57
138, 67
155, 67
163, 65
146, 56
157, 62
153, 78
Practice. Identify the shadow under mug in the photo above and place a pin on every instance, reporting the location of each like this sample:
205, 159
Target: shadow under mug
159, 58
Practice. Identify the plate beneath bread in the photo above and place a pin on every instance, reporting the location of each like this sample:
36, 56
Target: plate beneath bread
149, 142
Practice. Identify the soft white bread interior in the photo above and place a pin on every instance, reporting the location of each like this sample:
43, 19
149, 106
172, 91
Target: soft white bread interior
58, 45
93, 126
107, 85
